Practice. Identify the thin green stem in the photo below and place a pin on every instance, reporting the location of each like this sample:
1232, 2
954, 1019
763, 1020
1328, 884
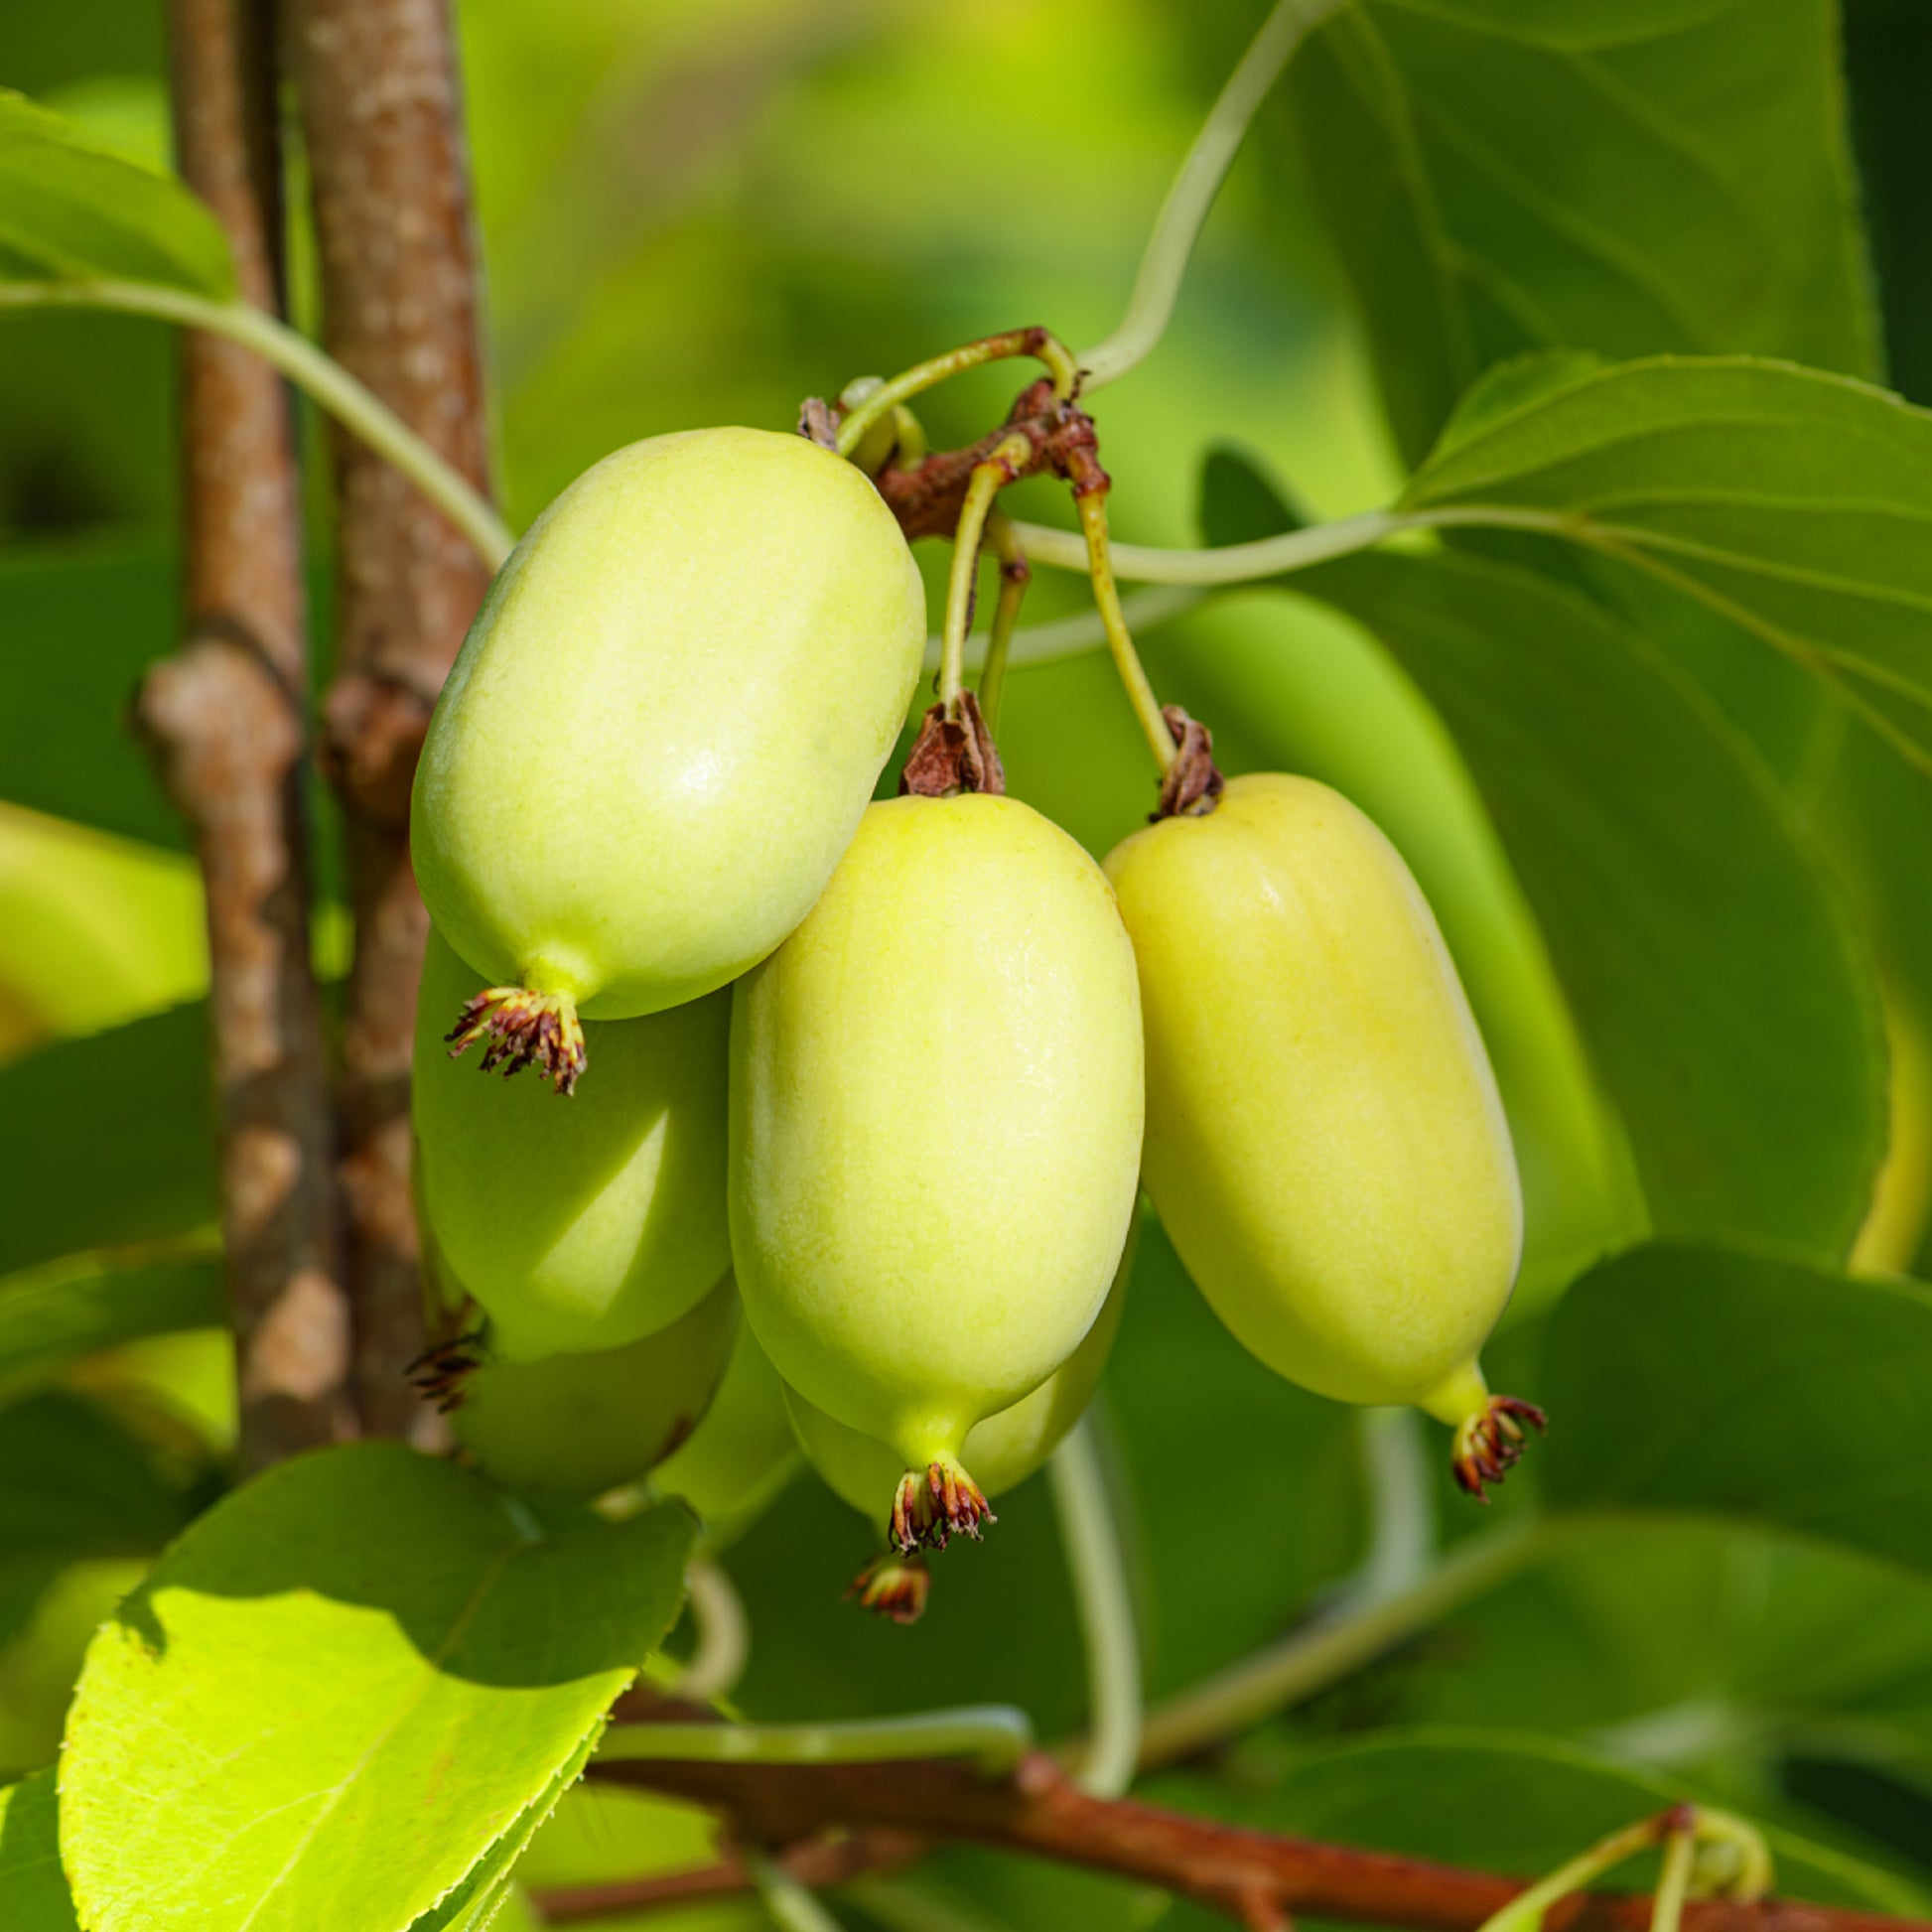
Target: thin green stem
1674, 1881
995, 1736
1182, 214
1524, 1912
1311, 1659
1106, 1607
357, 408
789, 1906
1074, 636
1092, 505
724, 1635
985, 484
1231, 563
1040, 343
1015, 576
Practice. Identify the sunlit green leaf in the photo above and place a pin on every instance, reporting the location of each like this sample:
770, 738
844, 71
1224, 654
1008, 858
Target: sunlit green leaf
1628, 176
342, 1688
69, 209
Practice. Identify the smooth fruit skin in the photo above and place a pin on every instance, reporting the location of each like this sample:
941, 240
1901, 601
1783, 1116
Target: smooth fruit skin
741, 1453
580, 1223
1002, 1452
666, 719
578, 1425
935, 1121
1325, 1145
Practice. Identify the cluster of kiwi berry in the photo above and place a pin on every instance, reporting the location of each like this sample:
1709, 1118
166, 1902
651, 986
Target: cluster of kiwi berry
876, 1074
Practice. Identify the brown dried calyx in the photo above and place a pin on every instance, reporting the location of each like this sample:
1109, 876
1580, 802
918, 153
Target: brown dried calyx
518, 1027
1488, 1444
441, 1373
953, 753
1192, 786
893, 1586
934, 1504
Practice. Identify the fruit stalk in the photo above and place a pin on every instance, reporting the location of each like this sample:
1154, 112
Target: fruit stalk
988, 480
1041, 343
375, 82
1014, 575
223, 716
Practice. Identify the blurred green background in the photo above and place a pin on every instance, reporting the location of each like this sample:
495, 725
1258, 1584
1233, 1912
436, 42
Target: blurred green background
702, 211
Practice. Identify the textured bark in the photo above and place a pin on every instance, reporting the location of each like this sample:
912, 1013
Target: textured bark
836, 1822
381, 115
225, 719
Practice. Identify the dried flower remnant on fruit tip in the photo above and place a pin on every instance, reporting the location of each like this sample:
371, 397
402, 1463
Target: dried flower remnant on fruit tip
1192, 786
953, 753
520, 1028
931, 1507
440, 1374
1489, 1441
895, 1585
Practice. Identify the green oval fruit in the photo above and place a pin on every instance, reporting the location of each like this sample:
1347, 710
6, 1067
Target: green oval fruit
1324, 1144
935, 1129
662, 730
741, 1453
578, 1425
1002, 1452
585, 1226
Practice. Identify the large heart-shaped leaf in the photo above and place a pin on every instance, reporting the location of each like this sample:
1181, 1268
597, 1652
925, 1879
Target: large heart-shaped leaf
342, 1688
1717, 1381
1790, 502
1629, 176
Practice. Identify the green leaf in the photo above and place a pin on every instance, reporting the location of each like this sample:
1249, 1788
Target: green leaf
70, 210
1734, 1384
111, 1138
34, 1895
1627, 176
1503, 1803
76, 1481
1793, 502
60, 1314
1706, 952
80, 631
342, 1688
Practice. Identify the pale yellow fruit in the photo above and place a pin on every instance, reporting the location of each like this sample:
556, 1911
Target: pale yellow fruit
578, 1425
1002, 1452
665, 722
1324, 1144
935, 1126
582, 1225
741, 1453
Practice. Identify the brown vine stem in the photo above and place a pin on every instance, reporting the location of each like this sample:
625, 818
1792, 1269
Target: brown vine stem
837, 1821
376, 82
224, 715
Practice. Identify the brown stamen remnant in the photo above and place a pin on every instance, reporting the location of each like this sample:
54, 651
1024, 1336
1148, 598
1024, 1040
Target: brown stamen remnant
1192, 786
818, 422
1488, 1443
520, 1028
927, 497
440, 1374
893, 1586
928, 1511
953, 753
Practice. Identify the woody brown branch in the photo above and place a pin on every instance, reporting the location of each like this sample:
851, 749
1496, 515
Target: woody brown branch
380, 111
224, 716
882, 1813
